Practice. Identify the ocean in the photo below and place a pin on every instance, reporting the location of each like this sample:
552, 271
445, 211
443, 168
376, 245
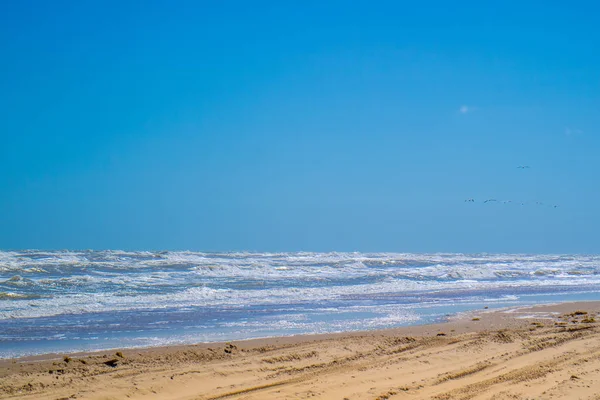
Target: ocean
67, 301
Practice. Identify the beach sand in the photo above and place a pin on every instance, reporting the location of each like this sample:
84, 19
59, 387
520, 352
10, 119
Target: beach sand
544, 352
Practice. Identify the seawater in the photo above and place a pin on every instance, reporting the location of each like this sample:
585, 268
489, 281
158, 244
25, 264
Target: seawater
63, 301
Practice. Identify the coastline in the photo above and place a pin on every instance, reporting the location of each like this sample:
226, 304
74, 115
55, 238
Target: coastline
455, 321
426, 361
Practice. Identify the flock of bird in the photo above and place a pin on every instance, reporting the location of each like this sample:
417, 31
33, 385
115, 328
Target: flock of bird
523, 203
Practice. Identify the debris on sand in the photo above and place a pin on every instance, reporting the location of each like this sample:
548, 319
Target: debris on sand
112, 363
230, 348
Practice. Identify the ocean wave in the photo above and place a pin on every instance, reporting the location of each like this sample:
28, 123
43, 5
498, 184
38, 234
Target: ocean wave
120, 260
17, 281
17, 296
98, 281
219, 298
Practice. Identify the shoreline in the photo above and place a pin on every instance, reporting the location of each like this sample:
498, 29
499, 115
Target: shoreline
363, 364
457, 320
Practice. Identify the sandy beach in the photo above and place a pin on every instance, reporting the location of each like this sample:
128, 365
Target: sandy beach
280, 200
543, 352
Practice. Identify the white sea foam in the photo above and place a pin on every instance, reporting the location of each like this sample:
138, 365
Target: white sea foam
106, 299
74, 282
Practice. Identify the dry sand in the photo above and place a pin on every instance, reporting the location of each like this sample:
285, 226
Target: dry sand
546, 352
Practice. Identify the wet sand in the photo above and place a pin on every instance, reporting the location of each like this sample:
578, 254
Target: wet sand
544, 352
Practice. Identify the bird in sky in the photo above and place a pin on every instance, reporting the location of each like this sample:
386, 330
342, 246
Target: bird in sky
470, 200
523, 167
489, 200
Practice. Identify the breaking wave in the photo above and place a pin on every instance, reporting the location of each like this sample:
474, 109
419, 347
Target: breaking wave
84, 300
67, 282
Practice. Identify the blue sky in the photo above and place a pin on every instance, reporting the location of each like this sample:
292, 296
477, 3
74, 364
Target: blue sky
272, 126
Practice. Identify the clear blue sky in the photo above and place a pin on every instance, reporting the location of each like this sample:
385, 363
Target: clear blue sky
350, 126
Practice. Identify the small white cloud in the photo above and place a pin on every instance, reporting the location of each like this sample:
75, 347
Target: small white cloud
572, 131
466, 109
